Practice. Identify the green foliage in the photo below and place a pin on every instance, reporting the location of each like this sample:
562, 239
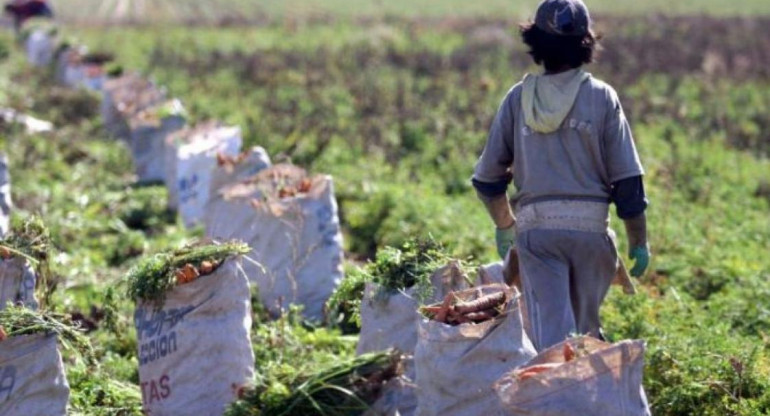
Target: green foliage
29, 238
394, 269
18, 320
154, 276
346, 388
96, 393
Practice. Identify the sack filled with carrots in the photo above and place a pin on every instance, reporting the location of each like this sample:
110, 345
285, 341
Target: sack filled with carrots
290, 219
193, 322
465, 343
580, 376
149, 129
32, 376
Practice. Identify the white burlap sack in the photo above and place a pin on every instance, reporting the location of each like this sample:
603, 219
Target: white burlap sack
248, 164
67, 72
296, 242
192, 165
123, 97
40, 48
32, 380
17, 283
149, 130
5, 195
606, 382
195, 352
457, 366
389, 320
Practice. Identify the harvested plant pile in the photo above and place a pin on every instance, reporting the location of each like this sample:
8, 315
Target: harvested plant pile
394, 269
347, 388
467, 306
30, 239
153, 277
282, 181
17, 321
224, 160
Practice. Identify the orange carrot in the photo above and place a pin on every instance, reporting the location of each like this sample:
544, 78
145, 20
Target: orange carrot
533, 370
569, 352
490, 301
482, 316
445, 306
206, 267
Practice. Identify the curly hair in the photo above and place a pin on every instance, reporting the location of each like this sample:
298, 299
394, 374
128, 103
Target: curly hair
555, 52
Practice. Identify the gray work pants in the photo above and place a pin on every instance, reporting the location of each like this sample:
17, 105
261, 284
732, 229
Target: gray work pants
565, 277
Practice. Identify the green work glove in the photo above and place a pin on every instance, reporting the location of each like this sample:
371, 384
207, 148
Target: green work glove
641, 255
505, 239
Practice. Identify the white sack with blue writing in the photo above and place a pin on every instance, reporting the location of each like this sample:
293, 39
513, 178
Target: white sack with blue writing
32, 380
195, 351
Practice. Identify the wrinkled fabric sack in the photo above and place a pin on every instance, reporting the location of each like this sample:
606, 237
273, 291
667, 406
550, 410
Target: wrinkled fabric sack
17, 283
149, 130
607, 382
68, 73
191, 158
457, 366
5, 195
123, 97
389, 320
255, 161
32, 378
195, 352
40, 48
296, 242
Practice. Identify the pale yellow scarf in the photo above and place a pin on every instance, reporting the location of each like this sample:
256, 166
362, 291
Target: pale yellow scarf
547, 99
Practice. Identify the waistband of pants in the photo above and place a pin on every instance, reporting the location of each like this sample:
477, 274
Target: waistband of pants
568, 215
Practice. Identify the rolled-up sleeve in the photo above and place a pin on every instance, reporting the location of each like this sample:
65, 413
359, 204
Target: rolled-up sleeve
492, 174
629, 197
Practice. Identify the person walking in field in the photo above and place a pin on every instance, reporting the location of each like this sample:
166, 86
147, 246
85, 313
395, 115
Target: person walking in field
23, 10
564, 141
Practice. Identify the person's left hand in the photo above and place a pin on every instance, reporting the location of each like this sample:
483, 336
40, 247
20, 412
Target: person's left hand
641, 256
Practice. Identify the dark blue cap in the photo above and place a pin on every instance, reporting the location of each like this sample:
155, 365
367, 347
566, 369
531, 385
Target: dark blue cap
563, 17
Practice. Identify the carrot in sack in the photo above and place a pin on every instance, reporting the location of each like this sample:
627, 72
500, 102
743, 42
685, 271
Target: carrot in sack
534, 370
3, 335
569, 352
491, 301
441, 316
481, 315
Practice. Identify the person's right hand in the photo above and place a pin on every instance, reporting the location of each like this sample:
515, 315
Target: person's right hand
505, 239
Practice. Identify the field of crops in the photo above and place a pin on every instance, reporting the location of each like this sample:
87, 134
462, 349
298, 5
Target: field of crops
395, 104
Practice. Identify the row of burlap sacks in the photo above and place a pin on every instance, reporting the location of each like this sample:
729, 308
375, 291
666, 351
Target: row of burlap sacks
195, 349
32, 378
296, 240
295, 237
472, 369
